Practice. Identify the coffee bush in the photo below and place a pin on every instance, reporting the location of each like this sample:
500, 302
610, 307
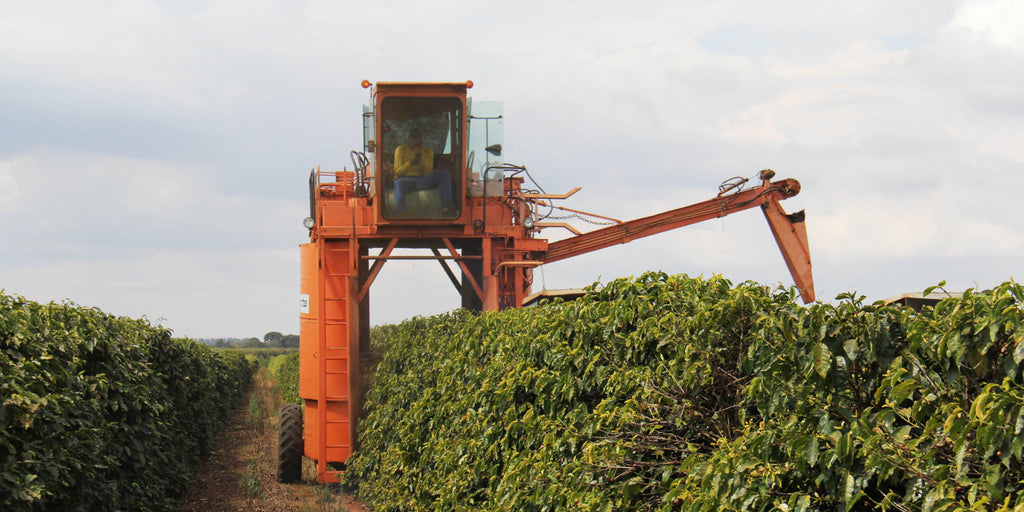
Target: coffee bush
678, 393
99, 412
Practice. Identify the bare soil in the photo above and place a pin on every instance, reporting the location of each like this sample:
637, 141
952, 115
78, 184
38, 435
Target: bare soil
240, 472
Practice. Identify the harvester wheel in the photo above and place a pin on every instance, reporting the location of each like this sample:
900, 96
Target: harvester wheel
289, 455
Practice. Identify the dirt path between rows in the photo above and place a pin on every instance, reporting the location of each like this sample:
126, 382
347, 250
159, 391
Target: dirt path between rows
240, 472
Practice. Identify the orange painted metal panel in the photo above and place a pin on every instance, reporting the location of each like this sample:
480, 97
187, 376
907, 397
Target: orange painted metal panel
309, 332
339, 441
337, 337
336, 365
307, 359
311, 429
337, 263
329, 426
337, 385
338, 215
337, 414
336, 308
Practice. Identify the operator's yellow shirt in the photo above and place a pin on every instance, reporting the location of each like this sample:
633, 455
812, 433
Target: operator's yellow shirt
405, 155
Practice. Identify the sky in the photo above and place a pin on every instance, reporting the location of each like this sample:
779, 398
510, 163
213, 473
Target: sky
154, 155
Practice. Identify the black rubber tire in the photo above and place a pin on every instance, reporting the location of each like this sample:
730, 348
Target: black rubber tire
289, 454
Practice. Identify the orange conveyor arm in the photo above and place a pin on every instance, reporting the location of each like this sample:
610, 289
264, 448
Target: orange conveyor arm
789, 230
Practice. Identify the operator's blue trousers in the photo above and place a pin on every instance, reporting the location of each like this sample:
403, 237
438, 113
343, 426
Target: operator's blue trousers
440, 179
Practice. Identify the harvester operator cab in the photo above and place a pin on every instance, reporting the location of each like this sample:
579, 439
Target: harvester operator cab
420, 146
424, 160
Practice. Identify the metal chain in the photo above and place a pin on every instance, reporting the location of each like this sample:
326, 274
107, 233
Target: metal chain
580, 217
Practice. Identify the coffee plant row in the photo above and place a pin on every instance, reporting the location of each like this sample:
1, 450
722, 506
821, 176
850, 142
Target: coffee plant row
677, 393
285, 369
101, 413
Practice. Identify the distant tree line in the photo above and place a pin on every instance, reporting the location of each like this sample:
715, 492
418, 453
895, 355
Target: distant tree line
272, 339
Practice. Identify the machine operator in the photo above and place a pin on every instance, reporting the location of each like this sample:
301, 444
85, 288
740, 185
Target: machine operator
414, 170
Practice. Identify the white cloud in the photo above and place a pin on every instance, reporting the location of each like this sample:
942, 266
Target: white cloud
943, 222
989, 135
9, 190
858, 59
195, 292
148, 237
822, 116
833, 103
138, 197
147, 136
999, 21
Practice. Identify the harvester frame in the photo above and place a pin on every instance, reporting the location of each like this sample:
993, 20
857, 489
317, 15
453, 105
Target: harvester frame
487, 230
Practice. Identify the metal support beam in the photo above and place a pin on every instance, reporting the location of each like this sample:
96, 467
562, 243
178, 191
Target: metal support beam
790, 233
414, 257
659, 223
447, 269
375, 269
465, 270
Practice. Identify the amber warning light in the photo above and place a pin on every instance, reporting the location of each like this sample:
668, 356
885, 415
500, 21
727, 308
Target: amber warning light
365, 83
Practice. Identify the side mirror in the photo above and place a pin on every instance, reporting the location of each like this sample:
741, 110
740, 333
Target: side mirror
494, 149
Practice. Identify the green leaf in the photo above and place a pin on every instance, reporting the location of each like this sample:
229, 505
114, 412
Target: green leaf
803, 503
822, 359
852, 348
901, 434
849, 485
930, 289
811, 451
1018, 353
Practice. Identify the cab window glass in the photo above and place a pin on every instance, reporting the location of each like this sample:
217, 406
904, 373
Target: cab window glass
421, 150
